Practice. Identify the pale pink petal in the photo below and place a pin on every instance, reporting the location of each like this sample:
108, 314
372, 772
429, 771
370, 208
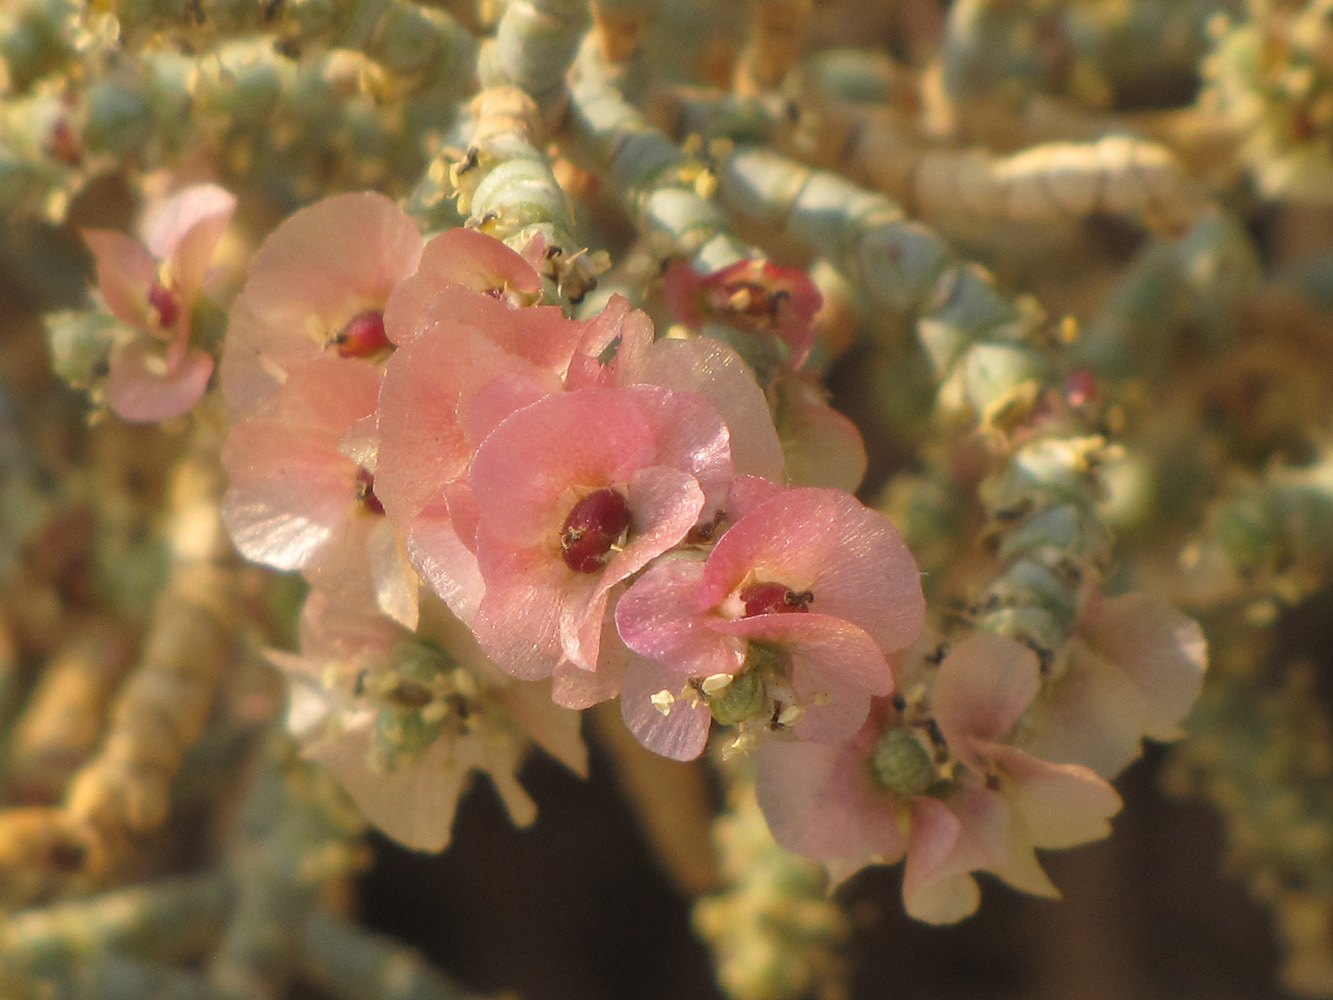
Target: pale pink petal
819, 802
184, 235
746, 493
445, 563
518, 619
820, 445
1090, 715
572, 687
682, 733
338, 632
503, 395
1162, 651
289, 492
326, 264
479, 262
992, 839
690, 436
664, 505
832, 646
835, 668
1059, 805
937, 889
824, 541
138, 390
714, 371
523, 471
1133, 673
391, 575
428, 384
125, 272
658, 617
415, 804
612, 347
984, 684
333, 394
177, 216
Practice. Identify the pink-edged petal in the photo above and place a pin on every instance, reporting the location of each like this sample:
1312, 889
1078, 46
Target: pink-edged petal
1162, 651
572, 687
521, 473
519, 617
391, 575
204, 210
658, 617
714, 371
612, 347
333, 394
831, 646
582, 685
1060, 805
821, 446
447, 565
682, 733
827, 542
428, 384
984, 684
746, 493
664, 504
198, 206
326, 264
690, 436
289, 492
937, 889
818, 802
331, 631
479, 262
137, 388
125, 272
503, 395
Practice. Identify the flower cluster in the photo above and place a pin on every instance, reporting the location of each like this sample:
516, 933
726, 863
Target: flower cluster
155, 371
483, 492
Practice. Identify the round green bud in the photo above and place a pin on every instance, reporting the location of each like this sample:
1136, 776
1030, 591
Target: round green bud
901, 764
742, 699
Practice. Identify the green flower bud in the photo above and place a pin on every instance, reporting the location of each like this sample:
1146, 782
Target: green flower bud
401, 734
742, 699
901, 764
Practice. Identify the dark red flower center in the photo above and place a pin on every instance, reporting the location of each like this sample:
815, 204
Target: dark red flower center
595, 526
365, 492
774, 599
164, 300
362, 337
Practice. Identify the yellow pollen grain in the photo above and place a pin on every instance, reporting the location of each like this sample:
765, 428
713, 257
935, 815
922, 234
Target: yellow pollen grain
715, 684
790, 715
663, 701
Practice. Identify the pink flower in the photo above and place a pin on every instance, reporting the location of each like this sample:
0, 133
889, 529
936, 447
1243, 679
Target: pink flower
317, 288
751, 295
403, 721
1132, 671
473, 354
296, 499
574, 494
786, 625
932, 779
153, 289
